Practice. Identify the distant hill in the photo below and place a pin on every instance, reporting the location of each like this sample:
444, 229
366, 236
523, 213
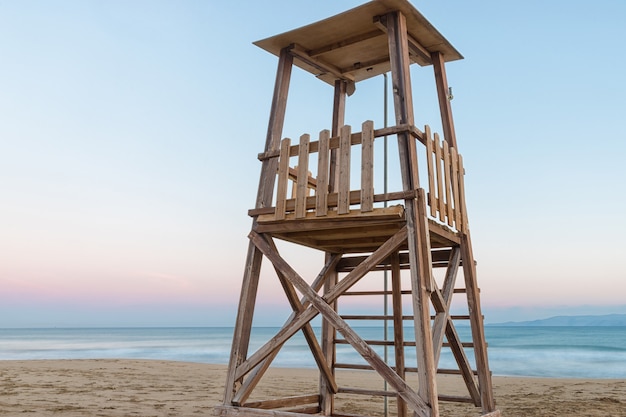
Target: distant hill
605, 320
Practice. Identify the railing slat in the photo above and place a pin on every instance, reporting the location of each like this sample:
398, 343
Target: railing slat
343, 206
432, 199
283, 179
454, 161
447, 185
440, 180
463, 226
303, 176
321, 192
367, 167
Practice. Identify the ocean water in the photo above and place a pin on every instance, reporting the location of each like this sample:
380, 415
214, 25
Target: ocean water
576, 352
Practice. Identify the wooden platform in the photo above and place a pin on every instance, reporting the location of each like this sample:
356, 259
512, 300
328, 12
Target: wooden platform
354, 232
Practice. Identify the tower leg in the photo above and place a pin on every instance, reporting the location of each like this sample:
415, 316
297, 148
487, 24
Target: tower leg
476, 322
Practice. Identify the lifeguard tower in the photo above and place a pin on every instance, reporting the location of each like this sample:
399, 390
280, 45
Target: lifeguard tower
310, 196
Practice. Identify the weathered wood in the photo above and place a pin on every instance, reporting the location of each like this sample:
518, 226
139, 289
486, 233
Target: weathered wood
355, 139
464, 224
307, 330
447, 184
296, 322
303, 174
283, 177
367, 167
301, 53
454, 161
321, 193
367, 392
432, 200
284, 402
441, 317
321, 305
398, 326
247, 299
403, 105
465, 368
355, 198
255, 376
440, 180
230, 411
476, 323
445, 107
343, 203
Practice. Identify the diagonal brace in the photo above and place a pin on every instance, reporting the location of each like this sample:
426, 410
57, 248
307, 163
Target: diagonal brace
298, 320
321, 305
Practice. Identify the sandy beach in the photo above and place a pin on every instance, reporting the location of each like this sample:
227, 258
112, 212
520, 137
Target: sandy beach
164, 388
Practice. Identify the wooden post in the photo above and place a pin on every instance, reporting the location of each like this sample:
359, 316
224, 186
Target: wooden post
327, 397
476, 322
417, 221
247, 299
444, 102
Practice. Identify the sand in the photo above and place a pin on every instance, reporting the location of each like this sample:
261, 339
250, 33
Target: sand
161, 388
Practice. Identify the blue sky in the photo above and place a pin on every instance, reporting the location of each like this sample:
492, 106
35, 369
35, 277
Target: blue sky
129, 133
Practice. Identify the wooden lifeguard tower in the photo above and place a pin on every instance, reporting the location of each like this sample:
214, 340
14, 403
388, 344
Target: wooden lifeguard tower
412, 231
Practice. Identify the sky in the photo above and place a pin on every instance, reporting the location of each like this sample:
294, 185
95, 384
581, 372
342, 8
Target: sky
129, 133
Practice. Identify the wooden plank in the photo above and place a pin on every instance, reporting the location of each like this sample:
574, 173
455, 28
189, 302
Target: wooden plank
454, 161
303, 175
440, 180
343, 203
296, 321
321, 305
283, 180
283, 402
345, 43
432, 199
301, 53
447, 185
321, 192
367, 392
229, 411
355, 198
367, 167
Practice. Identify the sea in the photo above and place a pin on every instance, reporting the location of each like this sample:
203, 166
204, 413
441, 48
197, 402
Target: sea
562, 352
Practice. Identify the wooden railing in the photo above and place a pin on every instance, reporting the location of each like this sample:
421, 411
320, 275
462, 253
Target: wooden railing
300, 194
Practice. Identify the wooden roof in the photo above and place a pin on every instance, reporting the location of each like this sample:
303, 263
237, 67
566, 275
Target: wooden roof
353, 46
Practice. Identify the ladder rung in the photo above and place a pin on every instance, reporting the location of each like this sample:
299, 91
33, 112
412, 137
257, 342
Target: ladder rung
443, 371
373, 317
375, 342
455, 398
361, 391
353, 366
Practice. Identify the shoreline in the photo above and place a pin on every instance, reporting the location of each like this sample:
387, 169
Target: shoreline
122, 387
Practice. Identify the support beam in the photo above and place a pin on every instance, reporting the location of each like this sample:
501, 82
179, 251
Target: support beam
445, 107
247, 299
296, 322
420, 407
417, 221
476, 322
